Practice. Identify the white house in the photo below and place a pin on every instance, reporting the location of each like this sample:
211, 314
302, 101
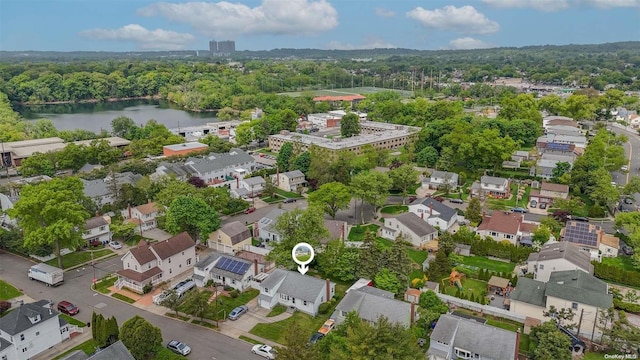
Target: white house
371, 303
226, 270
96, 230
459, 338
558, 256
434, 213
144, 216
105, 191
292, 289
570, 289
410, 226
441, 179
290, 180
30, 329
213, 169
264, 228
491, 186
504, 225
157, 262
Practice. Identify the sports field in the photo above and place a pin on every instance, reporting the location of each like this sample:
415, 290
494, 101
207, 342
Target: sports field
349, 91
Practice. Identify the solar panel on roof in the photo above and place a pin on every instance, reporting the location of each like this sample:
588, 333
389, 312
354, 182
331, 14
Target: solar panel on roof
558, 146
233, 266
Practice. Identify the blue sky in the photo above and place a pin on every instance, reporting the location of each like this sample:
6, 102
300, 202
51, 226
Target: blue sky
121, 25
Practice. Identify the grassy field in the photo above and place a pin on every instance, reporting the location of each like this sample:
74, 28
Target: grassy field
79, 257
418, 256
473, 286
623, 262
123, 298
7, 291
357, 232
483, 262
104, 284
72, 321
349, 91
288, 194
394, 209
277, 310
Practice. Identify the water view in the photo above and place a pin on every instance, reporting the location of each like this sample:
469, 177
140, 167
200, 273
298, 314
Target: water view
98, 116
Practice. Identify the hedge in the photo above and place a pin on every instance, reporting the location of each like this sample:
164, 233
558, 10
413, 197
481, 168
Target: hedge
616, 274
627, 307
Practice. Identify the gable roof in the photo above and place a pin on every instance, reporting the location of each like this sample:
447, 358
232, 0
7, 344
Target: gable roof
582, 233
371, 304
554, 187
564, 250
295, 284
236, 231
142, 253
174, 245
444, 175
256, 180
446, 213
530, 291
147, 208
116, 350
95, 222
17, 321
216, 161
293, 174
493, 180
578, 286
94, 188
503, 222
416, 225
268, 221
218, 269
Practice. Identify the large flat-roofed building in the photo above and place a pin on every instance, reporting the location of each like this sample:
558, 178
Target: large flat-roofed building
14, 152
379, 135
183, 149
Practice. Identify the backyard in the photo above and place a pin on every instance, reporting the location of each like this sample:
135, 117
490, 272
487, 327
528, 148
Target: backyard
622, 262
7, 291
79, 257
469, 286
394, 209
357, 232
417, 256
484, 263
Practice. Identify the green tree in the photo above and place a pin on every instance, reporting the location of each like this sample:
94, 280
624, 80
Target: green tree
620, 335
372, 187
560, 169
631, 223
331, 197
541, 234
473, 212
269, 187
387, 280
398, 261
350, 125
402, 178
171, 300
192, 215
39, 164
439, 267
550, 343
51, 213
633, 186
141, 338
197, 303
302, 162
338, 260
295, 345
284, 157
172, 189
123, 126
371, 257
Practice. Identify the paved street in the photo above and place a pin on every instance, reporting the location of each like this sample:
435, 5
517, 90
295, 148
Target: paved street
632, 148
206, 344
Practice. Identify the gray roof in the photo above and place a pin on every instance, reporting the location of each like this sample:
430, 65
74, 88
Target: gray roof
17, 321
237, 231
267, 223
564, 250
214, 162
530, 291
202, 264
86, 168
371, 304
487, 341
95, 222
95, 188
578, 286
445, 175
117, 350
293, 174
446, 213
127, 177
256, 180
294, 284
4, 343
5, 202
415, 224
229, 274
492, 180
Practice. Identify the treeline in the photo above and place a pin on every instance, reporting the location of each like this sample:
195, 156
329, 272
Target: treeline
490, 247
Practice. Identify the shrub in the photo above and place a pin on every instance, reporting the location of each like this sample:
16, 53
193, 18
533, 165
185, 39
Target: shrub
147, 288
234, 293
228, 288
323, 308
209, 283
627, 307
4, 306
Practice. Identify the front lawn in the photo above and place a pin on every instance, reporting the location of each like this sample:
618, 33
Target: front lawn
357, 232
288, 194
88, 347
622, 262
394, 209
7, 291
227, 304
104, 284
72, 321
417, 256
277, 310
79, 257
484, 263
123, 298
277, 331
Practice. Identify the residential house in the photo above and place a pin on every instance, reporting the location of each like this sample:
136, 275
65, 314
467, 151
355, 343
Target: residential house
30, 329
558, 256
96, 230
290, 180
142, 215
87, 168
459, 338
570, 289
338, 229
505, 225
564, 130
117, 350
105, 191
253, 254
634, 121
158, 262
292, 289
441, 180
213, 169
253, 185
6, 203
543, 169
548, 192
520, 156
592, 238
490, 186
409, 226
226, 270
578, 141
230, 237
264, 229
371, 303
434, 213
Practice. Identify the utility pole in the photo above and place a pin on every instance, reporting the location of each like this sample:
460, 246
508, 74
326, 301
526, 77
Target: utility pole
593, 331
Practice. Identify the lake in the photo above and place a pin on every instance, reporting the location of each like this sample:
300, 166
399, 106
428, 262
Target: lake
97, 116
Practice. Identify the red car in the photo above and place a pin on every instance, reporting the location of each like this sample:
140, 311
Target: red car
68, 308
439, 198
250, 210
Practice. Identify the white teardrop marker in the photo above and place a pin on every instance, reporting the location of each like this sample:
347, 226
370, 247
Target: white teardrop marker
303, 250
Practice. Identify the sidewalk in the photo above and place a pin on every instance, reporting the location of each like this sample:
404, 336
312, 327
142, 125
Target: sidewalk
64, 346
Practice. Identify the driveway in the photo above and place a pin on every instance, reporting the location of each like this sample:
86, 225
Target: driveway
156, 234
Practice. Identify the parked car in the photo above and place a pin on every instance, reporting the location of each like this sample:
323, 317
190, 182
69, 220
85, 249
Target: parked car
624, 168
456, 201
578, 218
115, 245
250, 210
627, 201
519, 210
439, 198
289, 200
237, 312
317, 336
533, 203
327, 326
68, 308
543, 206
179, 347
627, 250
265, 351
412, 198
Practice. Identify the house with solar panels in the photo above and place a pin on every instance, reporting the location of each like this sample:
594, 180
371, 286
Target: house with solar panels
227, 270
592, 238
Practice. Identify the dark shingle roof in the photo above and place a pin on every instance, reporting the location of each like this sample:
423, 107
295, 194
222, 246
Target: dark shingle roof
176, 244
564, 250
578, 286
530, 291
18, 321
370, 305
95, 222
214, 162
116, 350
415, 224
237, 231
446, 213
295, 284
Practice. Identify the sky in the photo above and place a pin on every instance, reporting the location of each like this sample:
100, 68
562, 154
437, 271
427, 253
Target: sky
126, 25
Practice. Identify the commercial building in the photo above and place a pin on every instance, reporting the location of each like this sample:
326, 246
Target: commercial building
183, 149
222, 48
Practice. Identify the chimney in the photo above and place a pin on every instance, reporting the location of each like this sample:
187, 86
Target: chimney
97, 213
129, 209
255, 267
430, 209
483, 214
413, 312
237, 182
515, 356
148, 201
342, 232
422, 215
256, 230
328, 290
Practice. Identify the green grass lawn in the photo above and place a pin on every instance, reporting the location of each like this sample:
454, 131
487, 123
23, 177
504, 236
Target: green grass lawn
271, 199
72, 321
277, 310
7, 291
276, 331
623, 262
88, 347
79, 257
226, 304
123, 298
468, 285
303, 257
166, 354
417, 256
250, 340
104, 284
394, 209
357, 232
483, 262
593, 356
287, 194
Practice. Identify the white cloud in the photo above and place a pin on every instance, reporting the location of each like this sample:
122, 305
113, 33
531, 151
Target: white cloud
555, 5
465, 19
611, 3
271, 17
369, 43
384, 13
466, 43
157, 39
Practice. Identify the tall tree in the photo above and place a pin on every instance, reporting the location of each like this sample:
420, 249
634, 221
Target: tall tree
387, 280
398, 261
474, 211
141, 338
51, 213
371, 257
285, 155
123, 126
192, 215
172, 300
331, 197
350, 125
197, 303
550, 343
428, 156
372, 187
296, 346
561, 168
619, 334
173, 188
402, 178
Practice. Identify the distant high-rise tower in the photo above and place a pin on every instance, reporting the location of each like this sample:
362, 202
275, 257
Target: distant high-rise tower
222, 48
213, 46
